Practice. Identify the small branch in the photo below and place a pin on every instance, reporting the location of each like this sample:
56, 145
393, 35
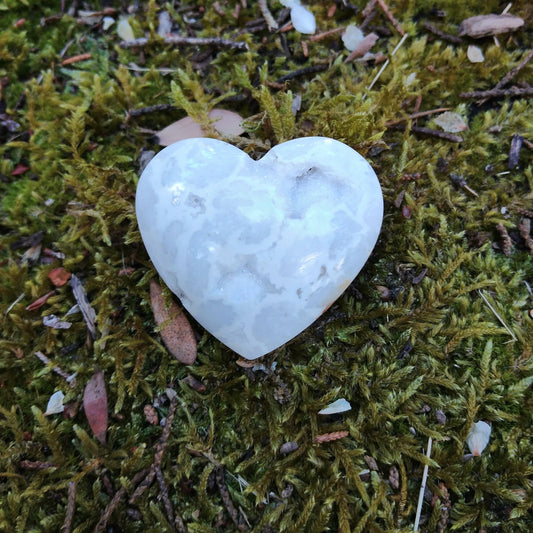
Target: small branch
267, 15
461, 182
433, 133
302, 71
117, 498
444, 36
498, 93
506, 240
150, 109
417, 115
67, 524
164, 494
514, 71
76, 59
178, 40
160, 450
391, 17
329, 437
422, 487
226, 499
524, 227
326, 34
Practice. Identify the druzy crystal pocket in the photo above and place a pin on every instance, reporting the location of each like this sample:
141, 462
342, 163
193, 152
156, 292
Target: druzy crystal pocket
257, 250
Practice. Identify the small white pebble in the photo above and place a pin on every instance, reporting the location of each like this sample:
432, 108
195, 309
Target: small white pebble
302, 19
338, 406
55, 404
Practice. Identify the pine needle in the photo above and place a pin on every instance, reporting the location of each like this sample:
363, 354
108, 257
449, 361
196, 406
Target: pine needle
422, 487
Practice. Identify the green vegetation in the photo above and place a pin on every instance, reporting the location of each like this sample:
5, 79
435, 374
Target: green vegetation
399, 345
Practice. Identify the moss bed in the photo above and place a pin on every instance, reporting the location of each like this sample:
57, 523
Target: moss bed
415, 343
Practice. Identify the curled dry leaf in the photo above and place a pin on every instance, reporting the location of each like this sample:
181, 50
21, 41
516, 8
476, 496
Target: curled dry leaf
39, 302
95, 405
175, 329
224, 121
363, 46
59, 276
486, 25
54, 322
87, 311
451, 122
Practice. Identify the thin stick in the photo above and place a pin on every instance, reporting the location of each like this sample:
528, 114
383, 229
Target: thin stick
267, 15
326, 34
67, 524
417, 115
422, 487
75, 59
433, 133
485, 299
385, 8
69, 378
497, 93
387, 62
439, 33
178, 40
302, 72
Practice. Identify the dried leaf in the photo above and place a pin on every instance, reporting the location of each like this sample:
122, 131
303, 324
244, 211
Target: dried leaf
485, 25
39, 302
20, 169
475, 54
55, 322
95, 405
225, 122
31, 255
83, 302
363, 46
59, 276
175, 329
55, 403
90, 18
451, 122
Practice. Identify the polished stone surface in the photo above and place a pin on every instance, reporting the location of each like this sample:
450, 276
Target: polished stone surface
257, 250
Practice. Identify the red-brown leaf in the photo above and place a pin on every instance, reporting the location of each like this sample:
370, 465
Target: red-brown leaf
20, 169
175, 331
95, 405
59, 276
39, 302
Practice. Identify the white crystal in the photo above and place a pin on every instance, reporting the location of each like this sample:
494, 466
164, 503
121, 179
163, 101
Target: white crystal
55, 403
257, 250
352, 37
302, 19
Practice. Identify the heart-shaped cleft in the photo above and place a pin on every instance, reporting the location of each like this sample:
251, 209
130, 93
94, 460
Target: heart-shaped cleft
257, 250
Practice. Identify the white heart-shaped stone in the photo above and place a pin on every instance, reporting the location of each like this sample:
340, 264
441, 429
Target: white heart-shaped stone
257, 250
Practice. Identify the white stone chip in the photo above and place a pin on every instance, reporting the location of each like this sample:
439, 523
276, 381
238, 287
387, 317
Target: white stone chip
55, 404
478, 438
338, 406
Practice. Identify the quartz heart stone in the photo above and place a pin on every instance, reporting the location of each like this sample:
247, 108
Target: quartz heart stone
257, 250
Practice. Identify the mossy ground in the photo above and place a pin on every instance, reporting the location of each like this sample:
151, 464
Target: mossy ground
433, 344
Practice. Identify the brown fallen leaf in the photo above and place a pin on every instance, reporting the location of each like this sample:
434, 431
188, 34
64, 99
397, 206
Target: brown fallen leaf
225, 122
39, 302
486, 25
95, 405
329, 437
362, 47
59, 276
175, 329
198, 386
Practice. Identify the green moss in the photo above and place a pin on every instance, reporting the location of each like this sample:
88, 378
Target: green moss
428, 343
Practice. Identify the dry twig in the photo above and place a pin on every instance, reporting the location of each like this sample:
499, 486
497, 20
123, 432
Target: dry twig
67, 524
302, 71
385, 8
150, 109
439, 33
433, 133
499, 93
178, 40
76, 59
226, 499
329, 437
506, 240
417, 115
267, 15
69, 378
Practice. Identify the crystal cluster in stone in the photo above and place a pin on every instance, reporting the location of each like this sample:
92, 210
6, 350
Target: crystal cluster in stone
257, 250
